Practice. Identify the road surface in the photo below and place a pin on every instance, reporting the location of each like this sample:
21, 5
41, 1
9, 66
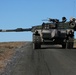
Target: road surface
50, 60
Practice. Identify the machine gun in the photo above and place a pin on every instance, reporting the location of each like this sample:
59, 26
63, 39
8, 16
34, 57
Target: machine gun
51, 20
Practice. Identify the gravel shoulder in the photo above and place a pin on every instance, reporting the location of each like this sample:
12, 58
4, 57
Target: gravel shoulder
7, 51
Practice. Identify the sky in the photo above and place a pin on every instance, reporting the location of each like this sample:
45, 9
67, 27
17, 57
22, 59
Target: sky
27, 13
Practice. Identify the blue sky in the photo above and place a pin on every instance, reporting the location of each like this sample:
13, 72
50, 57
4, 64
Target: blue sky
27, 13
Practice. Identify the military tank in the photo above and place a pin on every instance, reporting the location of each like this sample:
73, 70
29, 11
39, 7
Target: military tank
55, 32
52, 32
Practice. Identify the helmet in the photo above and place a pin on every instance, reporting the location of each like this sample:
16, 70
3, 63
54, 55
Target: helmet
64, 19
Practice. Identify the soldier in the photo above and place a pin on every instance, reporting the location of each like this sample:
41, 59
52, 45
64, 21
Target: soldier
64, 19
72, 19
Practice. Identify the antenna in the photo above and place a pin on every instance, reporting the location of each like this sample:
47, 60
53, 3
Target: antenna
74, 9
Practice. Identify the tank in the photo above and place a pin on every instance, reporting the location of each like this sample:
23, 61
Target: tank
55, 32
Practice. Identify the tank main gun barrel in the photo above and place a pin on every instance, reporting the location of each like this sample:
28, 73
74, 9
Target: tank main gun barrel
16, 30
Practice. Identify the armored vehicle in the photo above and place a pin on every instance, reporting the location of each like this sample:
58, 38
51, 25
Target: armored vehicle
51, 32
55, 32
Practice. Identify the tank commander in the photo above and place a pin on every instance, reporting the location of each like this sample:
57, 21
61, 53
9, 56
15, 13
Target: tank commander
64, 19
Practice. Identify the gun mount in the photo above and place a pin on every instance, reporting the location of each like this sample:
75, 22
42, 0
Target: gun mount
51, 20
52, 32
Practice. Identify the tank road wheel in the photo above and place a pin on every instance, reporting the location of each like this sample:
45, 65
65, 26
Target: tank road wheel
36, 40
36, 45
64, 45
70, 43
39, 46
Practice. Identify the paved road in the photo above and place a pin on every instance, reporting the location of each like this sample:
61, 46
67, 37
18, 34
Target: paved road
46, 61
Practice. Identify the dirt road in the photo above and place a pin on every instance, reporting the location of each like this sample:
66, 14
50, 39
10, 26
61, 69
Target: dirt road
46, 61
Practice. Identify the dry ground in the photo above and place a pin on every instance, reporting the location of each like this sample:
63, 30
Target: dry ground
75, 43
7, 50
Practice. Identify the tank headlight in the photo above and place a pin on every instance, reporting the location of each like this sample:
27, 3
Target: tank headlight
63, 31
